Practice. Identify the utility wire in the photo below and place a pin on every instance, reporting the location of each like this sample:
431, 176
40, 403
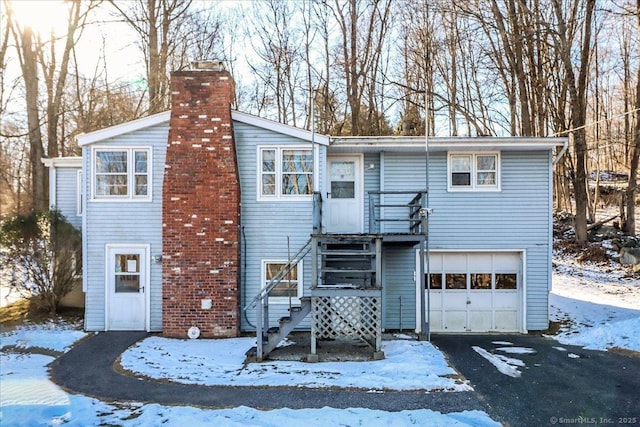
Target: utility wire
595, 123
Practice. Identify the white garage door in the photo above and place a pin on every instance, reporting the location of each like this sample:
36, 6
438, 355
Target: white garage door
475, 292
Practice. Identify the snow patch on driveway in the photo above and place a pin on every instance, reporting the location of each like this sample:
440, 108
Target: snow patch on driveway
517, 350
504, 364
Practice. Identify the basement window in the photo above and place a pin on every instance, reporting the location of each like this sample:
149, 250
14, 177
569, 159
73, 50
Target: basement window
285, 173
474, 171
122, 174
290, 284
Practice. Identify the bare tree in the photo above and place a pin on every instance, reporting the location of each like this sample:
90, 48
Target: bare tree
33, 53
363, 28
153, 20
632, 188
278, 43
169, 32
27, 49
55, 76
570, 27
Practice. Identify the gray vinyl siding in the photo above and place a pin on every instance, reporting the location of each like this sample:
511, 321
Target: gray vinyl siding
517, 217
67, 194
121, 222
399, 293
266, 225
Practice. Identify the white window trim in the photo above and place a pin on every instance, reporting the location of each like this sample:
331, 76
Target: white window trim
474, 173
279, 197
263, 277
130, 197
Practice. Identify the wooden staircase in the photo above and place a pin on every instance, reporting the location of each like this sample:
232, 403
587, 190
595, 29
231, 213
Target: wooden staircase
268, 339
347, 261
345, 297
286, 325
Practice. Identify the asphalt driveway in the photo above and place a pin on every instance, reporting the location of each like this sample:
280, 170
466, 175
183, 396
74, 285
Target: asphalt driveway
88, 368
558, 384
551, 384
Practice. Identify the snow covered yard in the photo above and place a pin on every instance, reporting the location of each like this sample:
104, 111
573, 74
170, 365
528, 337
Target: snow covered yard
220, 362
597, 304
29, 398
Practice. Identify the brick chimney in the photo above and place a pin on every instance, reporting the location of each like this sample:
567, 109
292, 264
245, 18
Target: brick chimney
201, 207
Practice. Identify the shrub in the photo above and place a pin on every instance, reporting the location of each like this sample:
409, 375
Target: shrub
40, 252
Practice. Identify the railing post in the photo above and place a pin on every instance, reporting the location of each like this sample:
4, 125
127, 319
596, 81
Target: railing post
317, 212
265, 313
314, 263
259, 335
423, 218
372, 214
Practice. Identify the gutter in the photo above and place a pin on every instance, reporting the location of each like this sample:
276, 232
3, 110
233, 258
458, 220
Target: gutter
565, 146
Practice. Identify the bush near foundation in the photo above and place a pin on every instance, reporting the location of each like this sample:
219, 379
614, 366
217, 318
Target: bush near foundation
40, 257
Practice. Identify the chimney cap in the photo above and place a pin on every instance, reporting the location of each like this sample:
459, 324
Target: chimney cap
209, 65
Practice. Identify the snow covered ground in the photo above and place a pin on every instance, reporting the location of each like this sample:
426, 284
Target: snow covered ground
598, 304
29, 398
220, 362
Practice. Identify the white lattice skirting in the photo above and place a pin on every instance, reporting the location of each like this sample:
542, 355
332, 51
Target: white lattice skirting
347, 316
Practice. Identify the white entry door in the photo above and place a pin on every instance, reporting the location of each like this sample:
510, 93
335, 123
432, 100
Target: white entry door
127, 285
343, 205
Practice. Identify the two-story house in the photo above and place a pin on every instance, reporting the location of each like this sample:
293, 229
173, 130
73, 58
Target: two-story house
206, 217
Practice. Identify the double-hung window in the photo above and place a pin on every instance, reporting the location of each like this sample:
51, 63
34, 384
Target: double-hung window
289, 285
285, 173
474, 171
122, 173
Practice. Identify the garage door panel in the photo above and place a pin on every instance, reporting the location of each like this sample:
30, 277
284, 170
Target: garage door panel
505, 299
435, 320
506, 319
455, 321
454, 263
480, 320
492, 300
481, 299
505, 261
480, 262
436, 300
455, 300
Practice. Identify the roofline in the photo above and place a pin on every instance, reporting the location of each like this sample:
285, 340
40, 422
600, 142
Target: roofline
123, 128
159, 118
408, 144
61, 162
272, 125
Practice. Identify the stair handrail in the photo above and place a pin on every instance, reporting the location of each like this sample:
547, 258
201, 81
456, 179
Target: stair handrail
280, 274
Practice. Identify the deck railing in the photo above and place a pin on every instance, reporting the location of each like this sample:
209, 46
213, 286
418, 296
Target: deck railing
389, 214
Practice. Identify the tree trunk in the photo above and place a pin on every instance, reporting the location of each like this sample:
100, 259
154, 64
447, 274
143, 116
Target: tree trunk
577, 88
630, 224
29, 65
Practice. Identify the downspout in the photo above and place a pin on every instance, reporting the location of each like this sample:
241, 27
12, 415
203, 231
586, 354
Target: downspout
425, 318
243, 279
